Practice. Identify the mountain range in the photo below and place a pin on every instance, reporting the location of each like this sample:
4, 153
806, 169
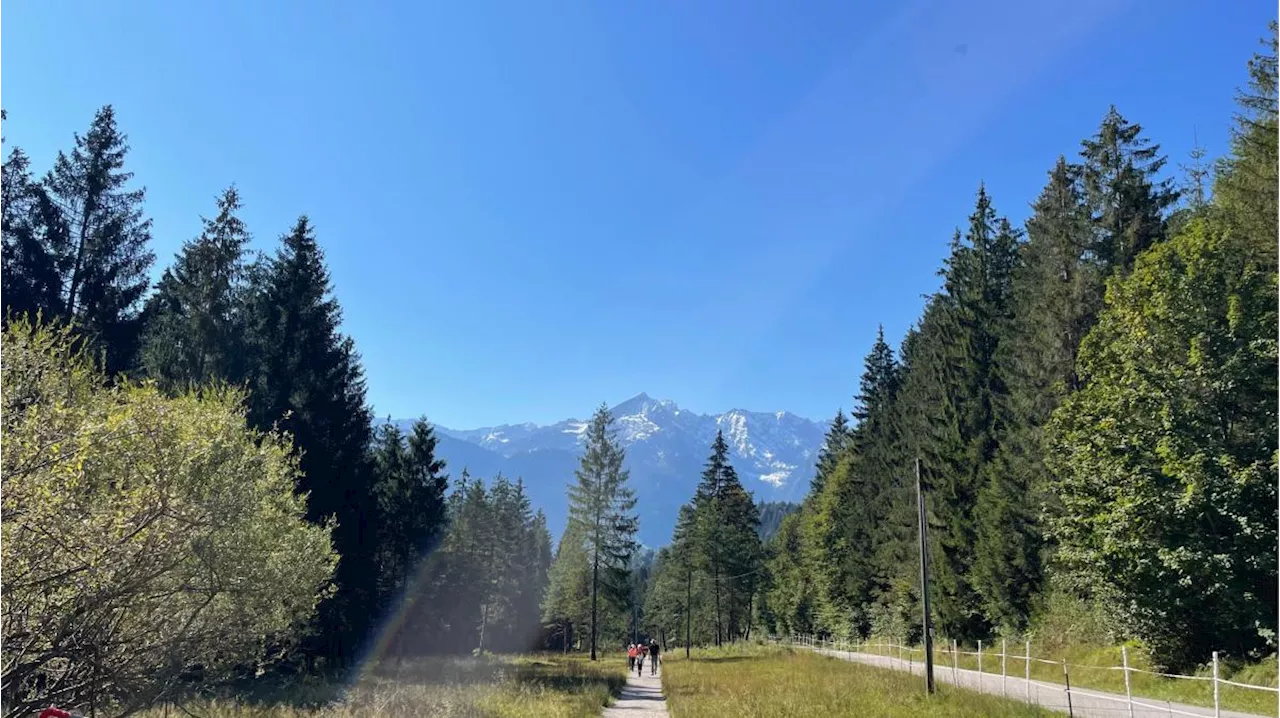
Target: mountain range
666, 447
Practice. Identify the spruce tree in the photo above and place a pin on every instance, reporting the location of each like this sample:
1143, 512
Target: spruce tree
1127, 198
601, 513
29, 228
309, 382
833, 447
84, 226
727, 545
1057, 290
197, 317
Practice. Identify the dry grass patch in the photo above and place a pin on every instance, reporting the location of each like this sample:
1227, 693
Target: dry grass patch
543, 685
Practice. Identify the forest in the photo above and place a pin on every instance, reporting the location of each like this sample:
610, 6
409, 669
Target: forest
1091, 397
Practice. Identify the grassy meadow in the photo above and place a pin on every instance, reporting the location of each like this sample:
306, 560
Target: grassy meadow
768, 681
548, 685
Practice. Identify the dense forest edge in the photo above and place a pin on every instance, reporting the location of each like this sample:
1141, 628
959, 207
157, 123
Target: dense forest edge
194, 493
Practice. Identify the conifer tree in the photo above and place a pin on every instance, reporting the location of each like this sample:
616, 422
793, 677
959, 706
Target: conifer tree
94, 228
1127, 199
601, 514
726, 544
197, 318
310, 383
833, 447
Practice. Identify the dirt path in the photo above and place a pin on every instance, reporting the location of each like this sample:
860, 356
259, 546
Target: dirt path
641, 698
1084, 702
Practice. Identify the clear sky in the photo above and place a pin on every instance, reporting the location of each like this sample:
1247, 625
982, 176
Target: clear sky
532, 207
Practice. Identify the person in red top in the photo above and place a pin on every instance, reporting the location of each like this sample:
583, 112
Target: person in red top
631, 657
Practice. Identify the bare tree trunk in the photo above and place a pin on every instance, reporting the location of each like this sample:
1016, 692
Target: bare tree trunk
595, 589
716, 579
688, 609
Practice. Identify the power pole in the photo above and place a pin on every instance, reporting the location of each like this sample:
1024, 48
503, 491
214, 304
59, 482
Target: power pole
924, 585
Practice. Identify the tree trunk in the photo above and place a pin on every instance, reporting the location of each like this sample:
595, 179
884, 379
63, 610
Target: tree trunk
595, 589
688, 609
716, 578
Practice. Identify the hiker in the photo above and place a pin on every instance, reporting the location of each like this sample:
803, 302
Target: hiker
631, 657
639, 662
653, 656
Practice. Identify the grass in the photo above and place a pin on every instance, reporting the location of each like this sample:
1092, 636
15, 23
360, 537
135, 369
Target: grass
1090, 669
542, 685
769, 681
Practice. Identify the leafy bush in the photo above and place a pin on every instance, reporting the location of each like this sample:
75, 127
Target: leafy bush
146, 540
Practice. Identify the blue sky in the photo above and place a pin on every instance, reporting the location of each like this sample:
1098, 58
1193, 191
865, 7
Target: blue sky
530, 208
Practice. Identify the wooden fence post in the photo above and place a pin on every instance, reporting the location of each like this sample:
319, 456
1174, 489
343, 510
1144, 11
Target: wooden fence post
979, 662
1004, 674
1128, 692
1028, 672
955, 659
1217, 706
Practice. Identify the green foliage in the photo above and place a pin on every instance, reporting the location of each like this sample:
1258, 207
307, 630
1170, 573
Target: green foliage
199, 314
308, 382
144, 536
602, 519
1166, 458
725, 546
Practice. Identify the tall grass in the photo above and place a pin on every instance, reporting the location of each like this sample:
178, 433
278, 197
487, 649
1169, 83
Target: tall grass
767, 681
542, 685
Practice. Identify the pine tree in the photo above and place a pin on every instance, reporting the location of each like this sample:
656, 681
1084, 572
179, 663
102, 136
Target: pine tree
833, 447
567, 605
1057, 290
1121, 184
85, 227
32, 284
601, 507
309, 382
1247, 177
197, 317
726, 544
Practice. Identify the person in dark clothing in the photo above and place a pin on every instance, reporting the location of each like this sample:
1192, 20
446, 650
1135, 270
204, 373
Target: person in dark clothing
653, 656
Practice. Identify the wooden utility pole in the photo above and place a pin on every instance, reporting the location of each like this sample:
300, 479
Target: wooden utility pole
924, 585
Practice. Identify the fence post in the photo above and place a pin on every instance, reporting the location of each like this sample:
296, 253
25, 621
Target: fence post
954, 660
1067, 678
979, 661
1128, 693
1217, 706
1028, 672
1004, 661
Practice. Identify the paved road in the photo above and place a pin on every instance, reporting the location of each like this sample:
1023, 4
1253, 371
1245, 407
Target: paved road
641, 698
1088, 703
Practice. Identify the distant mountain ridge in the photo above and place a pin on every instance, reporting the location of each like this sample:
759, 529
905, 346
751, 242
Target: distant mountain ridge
774, 453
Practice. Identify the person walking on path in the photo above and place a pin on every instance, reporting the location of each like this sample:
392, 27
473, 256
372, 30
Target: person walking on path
631, 657
640, 662
653, 657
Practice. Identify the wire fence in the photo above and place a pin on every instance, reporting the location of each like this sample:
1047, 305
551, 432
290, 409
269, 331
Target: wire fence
948, 657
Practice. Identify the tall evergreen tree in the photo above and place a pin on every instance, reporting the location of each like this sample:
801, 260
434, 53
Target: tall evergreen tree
833, 447
601, 513
30, 221
727, 545
1057, 290
1127, 198
310, 383
197, 317
1247, 177
566, 606
97, 237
